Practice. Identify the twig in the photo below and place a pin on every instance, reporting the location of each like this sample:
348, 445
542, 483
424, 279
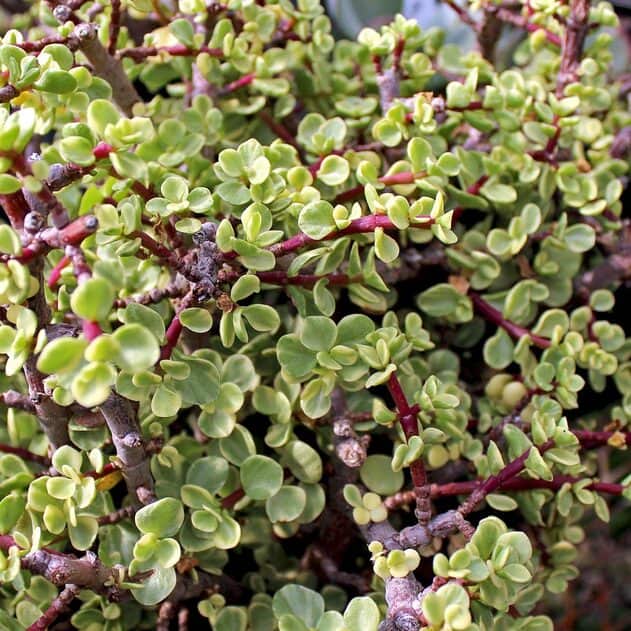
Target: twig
25, 454
72, 234
115, 25
116, 516
56, 608
572, 46
409, 423
463, 14
493, 315
107, 67
124, 427
66, 569
506, 15
83, 273
17, 400
176, 50
361, 225
494, 482
53, 418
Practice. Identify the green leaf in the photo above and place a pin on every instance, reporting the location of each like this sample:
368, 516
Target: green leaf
498, 350
183, 31
334, 170
93, 299
316, 219
162, 518
579, 238
299, 601
286, 505
61, 355
165, 402
261, 317
377, 474
318, 333
386, 248
76, 149
234, 193
93, 383
139, 349
100, 114
498, 193
244, 287
303, 461
295, 357
57, 82
11, 509
361, 614
261, 477
83, 533
196, 319
9, 184
155, 588
231, 619
315, 399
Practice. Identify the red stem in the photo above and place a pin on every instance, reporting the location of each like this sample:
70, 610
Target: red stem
494, 482
490, 313
172, 336
176, 50
474, 189
56, 608
304, 280
279, 129
409, 424
591, 439
25, 454
230, 500
239, 83
357, 226
149, 243
55, 273
91, 330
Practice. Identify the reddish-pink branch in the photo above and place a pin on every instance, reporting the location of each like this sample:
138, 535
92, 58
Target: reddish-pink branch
280, 130
176, 50
494, 482
149, 243
361, 225
515, 484
506, 15
172, 336
590, 439
25, 454
493, 315
474, 189
305, 280
55, 273
16, 208
72, 234
56, 608
406, 415
237, 84
230, 500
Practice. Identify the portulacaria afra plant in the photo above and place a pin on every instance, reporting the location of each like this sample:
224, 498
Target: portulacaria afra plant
305, 334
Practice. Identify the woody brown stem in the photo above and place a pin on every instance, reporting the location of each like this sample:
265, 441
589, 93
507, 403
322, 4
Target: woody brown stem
122, 421
107, 67
572, 46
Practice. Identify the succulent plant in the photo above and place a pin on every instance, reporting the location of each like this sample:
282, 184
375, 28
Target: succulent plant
283, 315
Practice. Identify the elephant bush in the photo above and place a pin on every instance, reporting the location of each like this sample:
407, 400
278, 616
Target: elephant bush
302, 333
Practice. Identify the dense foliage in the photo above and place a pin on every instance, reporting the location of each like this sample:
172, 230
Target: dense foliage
306, 334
